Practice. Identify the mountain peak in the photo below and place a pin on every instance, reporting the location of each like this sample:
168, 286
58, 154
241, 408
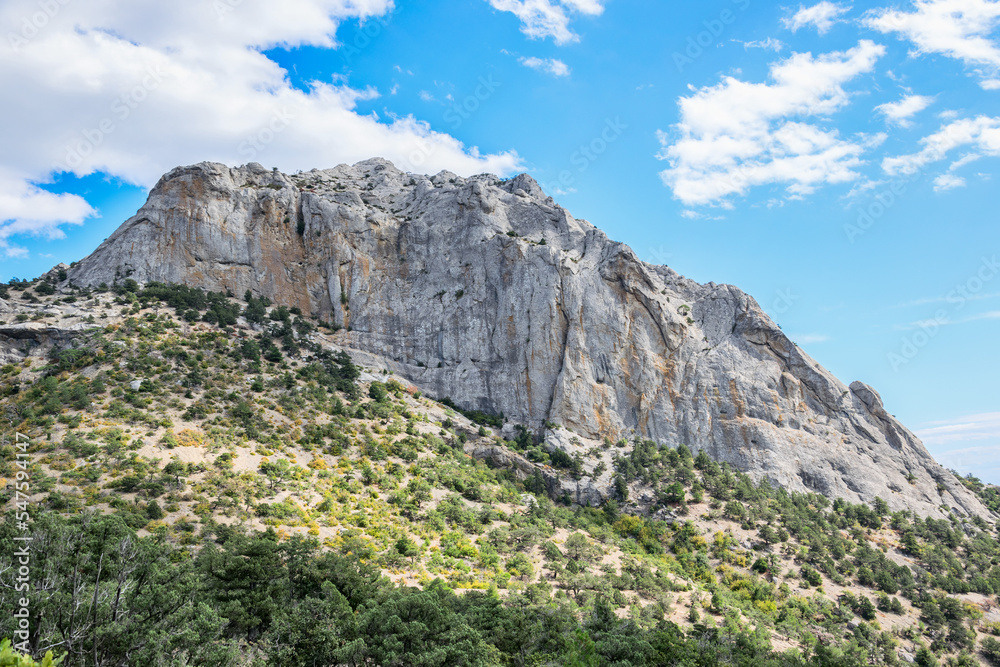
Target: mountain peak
486, 292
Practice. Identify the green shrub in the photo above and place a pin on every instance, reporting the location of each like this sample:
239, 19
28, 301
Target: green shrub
991, 650
10, 658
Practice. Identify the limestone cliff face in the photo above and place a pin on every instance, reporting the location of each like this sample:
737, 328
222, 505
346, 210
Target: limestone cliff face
488, 292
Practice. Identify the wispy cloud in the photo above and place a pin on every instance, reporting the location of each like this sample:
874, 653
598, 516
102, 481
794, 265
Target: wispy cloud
899, 113
967, 444
947, 321
948, 182
964, 160
982, 134
821, 16
943, 299
549, 65
549, 18
960, 29
699, 215
982, 426
809, 339
980, 462
769, 44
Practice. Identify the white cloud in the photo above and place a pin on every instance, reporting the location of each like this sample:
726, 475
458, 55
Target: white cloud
992, 315
736, 134
964, 160
900, 112
862, 187
133, 88
944, 299
550, 65
982, 463
593, 7
807, 339
984, 426
822, 16
948, 182
26, 209
982, 133
946, 321
769, 44
967, 444
549, 18
959, 29
699, 215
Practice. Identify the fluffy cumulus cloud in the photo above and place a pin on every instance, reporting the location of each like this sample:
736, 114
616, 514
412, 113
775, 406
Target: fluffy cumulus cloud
979, 136
549, 18
960, 29
821, 16
900, 112
736, 135
550, 65
132, 88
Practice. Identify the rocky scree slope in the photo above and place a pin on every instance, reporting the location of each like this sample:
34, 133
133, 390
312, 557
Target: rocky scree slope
488, 292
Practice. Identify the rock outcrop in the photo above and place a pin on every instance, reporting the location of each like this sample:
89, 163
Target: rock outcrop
488, 292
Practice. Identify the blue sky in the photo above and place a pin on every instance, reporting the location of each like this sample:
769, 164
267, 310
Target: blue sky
836, 161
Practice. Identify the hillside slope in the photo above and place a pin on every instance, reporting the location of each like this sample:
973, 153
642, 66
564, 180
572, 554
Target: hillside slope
213, 482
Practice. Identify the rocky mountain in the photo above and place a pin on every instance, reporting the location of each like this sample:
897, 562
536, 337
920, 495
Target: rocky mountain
489, 293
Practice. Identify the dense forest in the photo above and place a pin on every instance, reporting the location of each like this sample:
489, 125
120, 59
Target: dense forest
212, 484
